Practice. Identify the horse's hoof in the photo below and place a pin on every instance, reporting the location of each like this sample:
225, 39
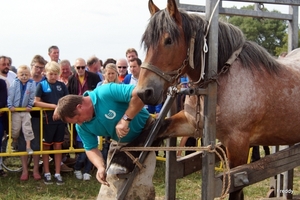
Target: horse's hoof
116, 169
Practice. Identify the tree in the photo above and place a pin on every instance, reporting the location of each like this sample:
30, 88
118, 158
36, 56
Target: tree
284, 47
269, 33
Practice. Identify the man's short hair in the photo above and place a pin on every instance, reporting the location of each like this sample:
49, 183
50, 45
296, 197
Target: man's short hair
138, 61
92, 60
67, 106
6, 58
52, 47
63, 62
130, 50
38, 59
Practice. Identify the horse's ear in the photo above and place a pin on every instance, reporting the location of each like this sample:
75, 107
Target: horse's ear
173, 11
152, 7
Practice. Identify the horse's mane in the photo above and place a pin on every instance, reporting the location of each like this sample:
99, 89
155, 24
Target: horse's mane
230, 38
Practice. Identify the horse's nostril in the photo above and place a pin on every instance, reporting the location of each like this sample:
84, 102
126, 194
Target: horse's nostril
148, 92
148, 96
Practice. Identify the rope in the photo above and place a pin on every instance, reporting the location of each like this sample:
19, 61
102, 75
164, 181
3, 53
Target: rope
224, 159
226, 168
134, 160
112, 156
164, 148
205, 46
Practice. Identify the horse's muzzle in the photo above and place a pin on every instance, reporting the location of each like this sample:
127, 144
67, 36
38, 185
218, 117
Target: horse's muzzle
149, 97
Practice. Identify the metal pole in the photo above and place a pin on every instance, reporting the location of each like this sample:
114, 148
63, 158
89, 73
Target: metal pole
293, 28
210, 103
154, 130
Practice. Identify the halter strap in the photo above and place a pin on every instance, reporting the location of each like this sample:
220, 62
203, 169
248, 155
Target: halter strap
191, 50
168, 76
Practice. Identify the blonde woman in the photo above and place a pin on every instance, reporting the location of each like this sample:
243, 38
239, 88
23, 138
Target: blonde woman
110, 74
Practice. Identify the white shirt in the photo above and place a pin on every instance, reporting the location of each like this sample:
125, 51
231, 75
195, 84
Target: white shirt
11, 76
133, 80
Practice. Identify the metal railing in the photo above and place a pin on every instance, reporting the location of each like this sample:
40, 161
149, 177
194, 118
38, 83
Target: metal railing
71, 149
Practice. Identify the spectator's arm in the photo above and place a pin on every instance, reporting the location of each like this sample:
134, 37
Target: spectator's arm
39, 103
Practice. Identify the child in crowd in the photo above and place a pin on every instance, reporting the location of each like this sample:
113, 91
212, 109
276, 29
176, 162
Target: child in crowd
21, 94
48, 92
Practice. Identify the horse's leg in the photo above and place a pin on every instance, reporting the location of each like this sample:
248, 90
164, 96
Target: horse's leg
237, 152
177, 126
142, 187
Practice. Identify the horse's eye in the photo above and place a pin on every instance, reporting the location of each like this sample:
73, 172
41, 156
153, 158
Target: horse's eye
168, 41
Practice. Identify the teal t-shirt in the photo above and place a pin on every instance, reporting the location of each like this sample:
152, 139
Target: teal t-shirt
110, 102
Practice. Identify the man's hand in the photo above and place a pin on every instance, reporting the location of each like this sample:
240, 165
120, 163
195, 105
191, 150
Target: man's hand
101, 176
12, 109
122, 128
95, 156
55, 115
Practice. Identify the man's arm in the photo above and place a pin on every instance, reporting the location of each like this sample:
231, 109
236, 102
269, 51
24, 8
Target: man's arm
96, 158
135, 106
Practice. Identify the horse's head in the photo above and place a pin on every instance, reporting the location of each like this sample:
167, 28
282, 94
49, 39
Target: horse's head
166, 41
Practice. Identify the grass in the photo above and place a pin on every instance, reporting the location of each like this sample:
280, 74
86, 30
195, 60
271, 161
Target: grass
13, 189
187, 188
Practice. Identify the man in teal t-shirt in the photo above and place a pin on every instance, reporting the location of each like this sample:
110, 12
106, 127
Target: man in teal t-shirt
112, 110
110, 102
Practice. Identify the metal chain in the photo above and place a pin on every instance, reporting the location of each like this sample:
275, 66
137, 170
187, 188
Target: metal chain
214, 78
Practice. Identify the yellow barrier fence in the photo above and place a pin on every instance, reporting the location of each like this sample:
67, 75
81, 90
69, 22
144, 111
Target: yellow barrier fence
9, 151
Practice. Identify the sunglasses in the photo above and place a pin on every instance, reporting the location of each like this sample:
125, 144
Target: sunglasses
124, 67
82, 67
38, 67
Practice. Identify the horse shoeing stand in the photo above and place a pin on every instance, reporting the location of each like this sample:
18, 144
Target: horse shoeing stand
154, 130
243, 175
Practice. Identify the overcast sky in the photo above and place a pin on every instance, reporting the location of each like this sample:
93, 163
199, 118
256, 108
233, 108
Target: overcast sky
80, 28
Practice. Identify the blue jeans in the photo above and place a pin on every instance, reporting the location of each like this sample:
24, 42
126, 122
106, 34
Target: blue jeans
82, 160
105, 148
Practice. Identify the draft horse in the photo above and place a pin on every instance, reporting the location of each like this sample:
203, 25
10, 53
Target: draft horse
258, 97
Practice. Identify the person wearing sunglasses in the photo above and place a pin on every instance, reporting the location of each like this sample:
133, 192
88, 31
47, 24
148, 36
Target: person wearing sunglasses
122, 66
82, 80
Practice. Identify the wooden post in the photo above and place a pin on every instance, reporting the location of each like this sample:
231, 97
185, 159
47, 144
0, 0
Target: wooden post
171, 162
171, 171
